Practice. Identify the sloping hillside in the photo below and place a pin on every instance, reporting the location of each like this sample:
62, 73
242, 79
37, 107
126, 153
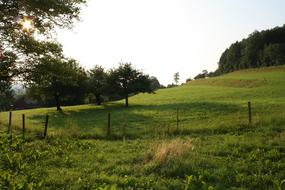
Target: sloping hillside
212, 146
220, 101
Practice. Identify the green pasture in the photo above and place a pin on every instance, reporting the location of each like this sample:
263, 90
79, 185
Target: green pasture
213, 146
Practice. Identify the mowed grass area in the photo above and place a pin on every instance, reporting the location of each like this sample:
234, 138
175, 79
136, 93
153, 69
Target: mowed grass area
214, 146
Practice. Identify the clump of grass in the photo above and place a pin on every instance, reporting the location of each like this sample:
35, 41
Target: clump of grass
171, 150
72, 130
169, 157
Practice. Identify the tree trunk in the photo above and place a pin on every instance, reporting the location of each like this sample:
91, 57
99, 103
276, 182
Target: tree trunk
98, 100
57, 100
127, 100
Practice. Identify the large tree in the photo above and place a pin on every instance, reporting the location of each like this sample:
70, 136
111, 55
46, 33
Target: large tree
44, 15
55, 81
126, 80
26, 30
97, 81
24, 22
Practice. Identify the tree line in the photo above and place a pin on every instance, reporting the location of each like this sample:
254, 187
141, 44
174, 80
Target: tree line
260, 49
55, 81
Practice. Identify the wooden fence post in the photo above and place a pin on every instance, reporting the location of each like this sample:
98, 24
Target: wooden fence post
109, 125
177, 119
168, 129
124, 131
24, 126
46, 126
249, 113
10, 123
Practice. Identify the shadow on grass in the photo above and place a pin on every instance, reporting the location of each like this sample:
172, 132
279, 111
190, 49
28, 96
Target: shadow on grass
137, 121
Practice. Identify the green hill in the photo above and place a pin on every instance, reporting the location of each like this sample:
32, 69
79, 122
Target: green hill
147, 150
219, 101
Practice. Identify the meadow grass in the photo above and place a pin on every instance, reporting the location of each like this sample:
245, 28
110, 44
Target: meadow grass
213, 148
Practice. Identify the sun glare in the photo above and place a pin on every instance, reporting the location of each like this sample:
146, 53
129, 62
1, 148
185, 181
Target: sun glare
27, 24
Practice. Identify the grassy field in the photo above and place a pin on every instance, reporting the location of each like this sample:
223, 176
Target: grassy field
214, 147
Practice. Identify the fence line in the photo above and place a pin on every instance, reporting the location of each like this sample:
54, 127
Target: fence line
109, 131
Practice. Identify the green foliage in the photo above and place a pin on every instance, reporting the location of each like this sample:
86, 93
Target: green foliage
196, 183
154, 83
7, 72
202, 75
119, 82
265, 48
126, 80
98, 82
15, 162
53, 81
279, 185
273, 54
44, 16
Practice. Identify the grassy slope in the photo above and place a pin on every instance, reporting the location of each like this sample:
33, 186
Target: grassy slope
213, 114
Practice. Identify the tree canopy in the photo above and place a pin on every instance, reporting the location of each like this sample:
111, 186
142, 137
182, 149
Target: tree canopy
7, 72
24, 22
42, 16
265, 48
55, 82
126, 80
26, 35
98, 82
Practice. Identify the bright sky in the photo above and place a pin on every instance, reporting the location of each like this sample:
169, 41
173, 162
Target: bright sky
162, 37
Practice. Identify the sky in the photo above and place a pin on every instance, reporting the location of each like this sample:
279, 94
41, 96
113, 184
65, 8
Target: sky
161, 37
